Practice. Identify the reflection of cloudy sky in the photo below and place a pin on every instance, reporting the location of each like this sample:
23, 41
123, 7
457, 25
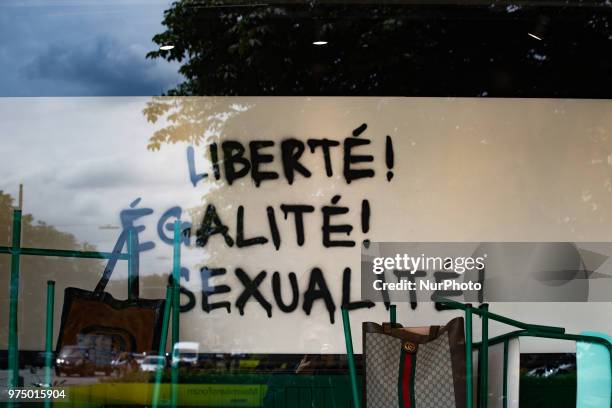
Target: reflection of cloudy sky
83, 160
82, 48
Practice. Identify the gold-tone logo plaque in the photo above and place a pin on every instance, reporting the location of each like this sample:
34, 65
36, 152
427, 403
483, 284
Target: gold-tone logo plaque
410, 347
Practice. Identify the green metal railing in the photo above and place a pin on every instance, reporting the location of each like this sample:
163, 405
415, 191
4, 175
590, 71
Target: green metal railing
484, 357
469, 398
162, 346
13, 354
348, 338
527, 330
49, 337
172, 309
16, 251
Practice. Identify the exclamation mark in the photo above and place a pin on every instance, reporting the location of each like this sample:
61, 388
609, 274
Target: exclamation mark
389, 157
365, 220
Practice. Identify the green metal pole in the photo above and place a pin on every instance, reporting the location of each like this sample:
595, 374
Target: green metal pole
62, 253
49, 330
350, 357
393, 313
499, 318
162, 345
49, 336
468, 356
131, 278
13, 340
484, 358
176, 276
505, 374
176, 303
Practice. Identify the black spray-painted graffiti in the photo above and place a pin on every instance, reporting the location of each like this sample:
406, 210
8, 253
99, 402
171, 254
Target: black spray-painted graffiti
231, 161
235, 164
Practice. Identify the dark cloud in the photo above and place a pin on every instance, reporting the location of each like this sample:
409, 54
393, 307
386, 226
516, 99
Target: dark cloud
101, 67
82, 48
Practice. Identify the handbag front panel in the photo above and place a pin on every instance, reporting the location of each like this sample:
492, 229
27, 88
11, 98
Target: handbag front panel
433, 379
132, 326
382, 363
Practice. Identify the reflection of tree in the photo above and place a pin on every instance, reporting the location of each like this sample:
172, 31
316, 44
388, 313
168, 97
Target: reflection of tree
36, 270
268, 49
190, 120
415, 48
38, 234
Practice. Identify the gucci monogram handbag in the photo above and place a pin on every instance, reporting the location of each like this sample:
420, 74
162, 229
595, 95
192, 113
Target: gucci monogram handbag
421, 367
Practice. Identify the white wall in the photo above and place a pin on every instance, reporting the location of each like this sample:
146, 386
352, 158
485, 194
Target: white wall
465, 170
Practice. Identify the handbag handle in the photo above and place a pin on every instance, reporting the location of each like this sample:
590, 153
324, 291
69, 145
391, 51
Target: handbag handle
112, 262
433, 332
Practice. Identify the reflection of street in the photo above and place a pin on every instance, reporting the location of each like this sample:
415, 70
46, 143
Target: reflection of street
32, 378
